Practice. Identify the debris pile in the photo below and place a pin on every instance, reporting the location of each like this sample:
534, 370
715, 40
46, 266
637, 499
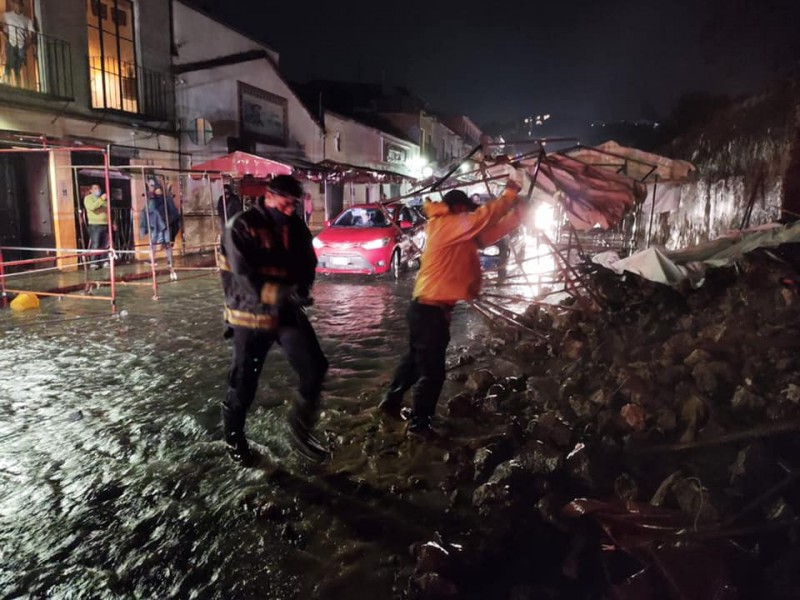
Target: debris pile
648, 449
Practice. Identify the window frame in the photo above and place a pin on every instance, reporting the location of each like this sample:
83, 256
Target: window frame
108, 102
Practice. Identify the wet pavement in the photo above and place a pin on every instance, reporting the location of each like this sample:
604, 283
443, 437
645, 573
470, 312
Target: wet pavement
114, 481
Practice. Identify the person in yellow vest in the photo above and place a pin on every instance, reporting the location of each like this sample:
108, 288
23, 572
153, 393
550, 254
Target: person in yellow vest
97, 221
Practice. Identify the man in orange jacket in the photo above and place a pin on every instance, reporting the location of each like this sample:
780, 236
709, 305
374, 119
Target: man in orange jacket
450, 272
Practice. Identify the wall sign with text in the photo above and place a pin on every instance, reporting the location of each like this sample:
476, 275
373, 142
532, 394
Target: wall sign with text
263, 116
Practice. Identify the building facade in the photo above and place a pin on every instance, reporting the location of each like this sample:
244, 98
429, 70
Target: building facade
81, 73
231, 96
384, 163
439, 145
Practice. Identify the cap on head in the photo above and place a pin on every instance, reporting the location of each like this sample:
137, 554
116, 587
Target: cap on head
455, 198
285, 185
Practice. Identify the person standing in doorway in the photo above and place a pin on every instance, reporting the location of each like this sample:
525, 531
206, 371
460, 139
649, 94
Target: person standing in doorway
96, 205
159, 220
267, 264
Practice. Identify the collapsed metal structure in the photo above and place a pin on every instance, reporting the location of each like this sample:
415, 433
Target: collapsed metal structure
585, 197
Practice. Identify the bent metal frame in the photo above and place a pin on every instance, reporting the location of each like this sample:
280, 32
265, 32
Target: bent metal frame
39, 144
495, 306
22, 144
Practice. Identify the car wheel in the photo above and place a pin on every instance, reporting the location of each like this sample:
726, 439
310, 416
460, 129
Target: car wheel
395, 264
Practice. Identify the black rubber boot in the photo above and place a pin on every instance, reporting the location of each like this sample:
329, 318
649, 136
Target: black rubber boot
239, 449
420, 427
392, 405
303, 441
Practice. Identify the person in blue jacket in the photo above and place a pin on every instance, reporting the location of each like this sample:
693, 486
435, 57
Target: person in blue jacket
159, 220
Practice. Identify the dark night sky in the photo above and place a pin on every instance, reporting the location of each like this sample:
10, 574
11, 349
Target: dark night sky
591, 59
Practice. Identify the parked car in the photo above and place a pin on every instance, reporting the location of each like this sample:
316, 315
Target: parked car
371, 239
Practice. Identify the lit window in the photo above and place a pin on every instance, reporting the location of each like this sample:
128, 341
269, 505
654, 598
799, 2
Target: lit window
112, 56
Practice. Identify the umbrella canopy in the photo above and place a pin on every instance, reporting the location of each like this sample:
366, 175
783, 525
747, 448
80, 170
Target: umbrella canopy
239, 165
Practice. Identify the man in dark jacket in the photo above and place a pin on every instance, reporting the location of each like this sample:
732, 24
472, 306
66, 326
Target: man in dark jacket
268, 265
228, 205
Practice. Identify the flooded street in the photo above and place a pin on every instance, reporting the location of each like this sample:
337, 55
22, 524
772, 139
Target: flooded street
114, 481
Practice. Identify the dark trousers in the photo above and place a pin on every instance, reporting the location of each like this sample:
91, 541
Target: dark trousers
250, 348
98, 237
423, 367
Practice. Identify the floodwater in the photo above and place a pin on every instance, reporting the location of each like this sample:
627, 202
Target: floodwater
114, 482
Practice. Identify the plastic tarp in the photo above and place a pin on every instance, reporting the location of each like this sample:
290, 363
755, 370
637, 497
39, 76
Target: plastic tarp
592, 197
671, 268
239, 165
637, 163
665, 196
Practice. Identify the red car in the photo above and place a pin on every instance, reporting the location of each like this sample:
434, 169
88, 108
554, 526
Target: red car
371, 239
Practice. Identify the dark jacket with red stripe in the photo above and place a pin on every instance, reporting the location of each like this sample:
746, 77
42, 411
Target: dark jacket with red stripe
264, 257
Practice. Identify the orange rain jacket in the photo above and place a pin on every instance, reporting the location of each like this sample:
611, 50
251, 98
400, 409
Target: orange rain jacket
451, 268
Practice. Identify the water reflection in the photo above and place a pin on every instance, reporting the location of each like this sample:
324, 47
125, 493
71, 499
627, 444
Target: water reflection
113, 483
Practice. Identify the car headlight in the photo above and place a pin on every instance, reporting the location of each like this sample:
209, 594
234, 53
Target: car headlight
375, 244
491, 251
317, 243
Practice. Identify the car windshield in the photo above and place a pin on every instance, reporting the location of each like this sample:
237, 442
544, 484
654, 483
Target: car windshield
361, 217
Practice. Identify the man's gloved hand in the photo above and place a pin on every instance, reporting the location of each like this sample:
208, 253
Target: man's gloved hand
279, 295
227, 332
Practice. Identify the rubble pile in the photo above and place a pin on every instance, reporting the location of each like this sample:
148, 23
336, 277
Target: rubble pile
661, 427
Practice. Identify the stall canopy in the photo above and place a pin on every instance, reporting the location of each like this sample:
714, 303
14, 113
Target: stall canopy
239, 165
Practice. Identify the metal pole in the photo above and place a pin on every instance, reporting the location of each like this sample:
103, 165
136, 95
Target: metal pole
150, 237
181, 192
111, 255
81, 222
214, 218
652, 213
3, 298
168, 247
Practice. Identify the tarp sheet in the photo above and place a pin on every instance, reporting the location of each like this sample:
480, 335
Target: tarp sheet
238, 165
667, 197
671, 268
592, 197
637, 163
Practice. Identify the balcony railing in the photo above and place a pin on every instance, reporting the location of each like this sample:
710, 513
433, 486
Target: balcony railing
36, 62
130, 88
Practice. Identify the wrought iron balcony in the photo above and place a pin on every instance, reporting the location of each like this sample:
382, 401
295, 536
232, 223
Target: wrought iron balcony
35, 62
127, 87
